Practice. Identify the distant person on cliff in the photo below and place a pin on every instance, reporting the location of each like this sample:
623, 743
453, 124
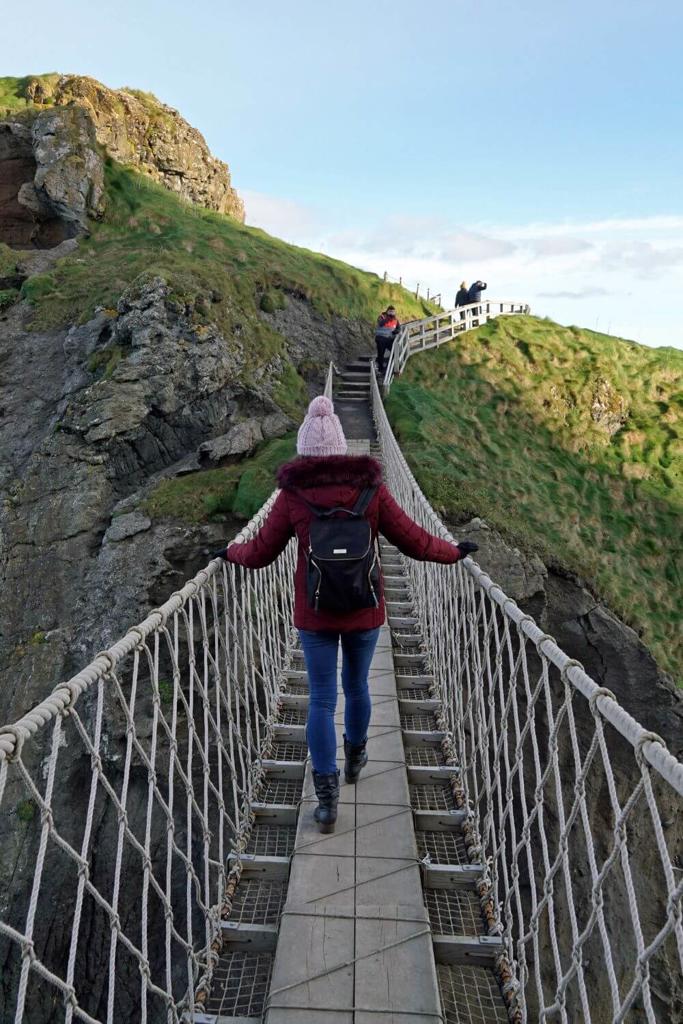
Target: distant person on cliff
388, 326
463, 297
475, 296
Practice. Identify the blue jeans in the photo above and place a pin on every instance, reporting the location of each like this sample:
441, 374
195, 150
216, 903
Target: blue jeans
320, 653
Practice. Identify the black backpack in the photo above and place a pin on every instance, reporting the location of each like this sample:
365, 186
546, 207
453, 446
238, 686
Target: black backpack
343, 571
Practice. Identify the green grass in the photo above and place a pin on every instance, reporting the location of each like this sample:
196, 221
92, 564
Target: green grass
220, 271
13, 91
237, 490
8, 296
8, 261
105, 360
498, 424
26, 810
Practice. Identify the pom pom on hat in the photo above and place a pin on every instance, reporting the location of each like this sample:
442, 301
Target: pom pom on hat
321, 432
321, 406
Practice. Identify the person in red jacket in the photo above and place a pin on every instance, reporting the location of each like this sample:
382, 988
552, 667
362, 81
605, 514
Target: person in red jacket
325, 476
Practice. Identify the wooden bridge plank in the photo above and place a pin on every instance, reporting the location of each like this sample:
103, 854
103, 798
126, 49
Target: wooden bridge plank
403, 976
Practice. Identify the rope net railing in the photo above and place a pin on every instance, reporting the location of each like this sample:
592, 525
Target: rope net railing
123, 795
574, 809
433, 331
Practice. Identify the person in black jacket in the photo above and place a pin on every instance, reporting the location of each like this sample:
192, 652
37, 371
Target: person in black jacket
475, 290
475, 296
388, 326
463, 297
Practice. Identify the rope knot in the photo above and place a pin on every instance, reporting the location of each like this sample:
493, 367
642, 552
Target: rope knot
12, 746
646, 737
601, 691
69, 995
140, 645
541, 640
108, 658
571, 663
144, 970
47, 818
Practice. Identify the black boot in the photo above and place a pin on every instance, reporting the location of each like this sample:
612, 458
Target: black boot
356, 758
327, 792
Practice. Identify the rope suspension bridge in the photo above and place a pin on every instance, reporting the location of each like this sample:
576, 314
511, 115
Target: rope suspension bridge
508, 854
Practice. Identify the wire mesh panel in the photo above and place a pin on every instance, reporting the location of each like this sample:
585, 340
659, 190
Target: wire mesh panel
442, 847
424, 756
281, 791
240, 985
292, 716
454, 912
405, 671
470, 995
257, 901
437, 797
418, 722
116, 893
297, 689
285, 751
414, 693
271, 841
573, 805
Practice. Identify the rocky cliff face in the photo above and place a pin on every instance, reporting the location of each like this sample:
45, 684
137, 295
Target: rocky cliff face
51, 158
81, 448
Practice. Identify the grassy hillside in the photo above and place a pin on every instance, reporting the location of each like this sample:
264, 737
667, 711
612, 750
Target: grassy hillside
13, 91
222, 271
570, 443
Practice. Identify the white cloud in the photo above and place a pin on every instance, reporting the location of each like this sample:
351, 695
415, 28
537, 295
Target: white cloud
587, 293
282, 217
558, 245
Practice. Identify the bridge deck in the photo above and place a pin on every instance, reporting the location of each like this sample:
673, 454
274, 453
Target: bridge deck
379, 921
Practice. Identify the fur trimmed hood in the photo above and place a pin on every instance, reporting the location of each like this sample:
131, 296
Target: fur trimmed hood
322, 471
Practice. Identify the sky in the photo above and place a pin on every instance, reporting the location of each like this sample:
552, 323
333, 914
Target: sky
536, 144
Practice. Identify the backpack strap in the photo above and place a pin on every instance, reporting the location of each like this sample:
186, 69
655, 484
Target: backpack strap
358, 510
364, 499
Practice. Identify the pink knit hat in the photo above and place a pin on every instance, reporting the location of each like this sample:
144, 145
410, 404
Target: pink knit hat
321, 432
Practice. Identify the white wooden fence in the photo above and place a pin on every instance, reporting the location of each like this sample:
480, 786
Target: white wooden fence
435, 330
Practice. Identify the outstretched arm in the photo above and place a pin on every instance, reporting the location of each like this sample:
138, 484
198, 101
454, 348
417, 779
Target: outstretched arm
269, 542
409, 537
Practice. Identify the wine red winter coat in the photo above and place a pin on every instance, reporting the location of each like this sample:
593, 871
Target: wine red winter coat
331, 481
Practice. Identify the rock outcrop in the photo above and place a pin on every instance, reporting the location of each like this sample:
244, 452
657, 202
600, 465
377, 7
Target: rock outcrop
51, 178
52, 158
138, 130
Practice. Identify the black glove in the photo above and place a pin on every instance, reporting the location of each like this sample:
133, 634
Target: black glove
220, 554
467, 547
